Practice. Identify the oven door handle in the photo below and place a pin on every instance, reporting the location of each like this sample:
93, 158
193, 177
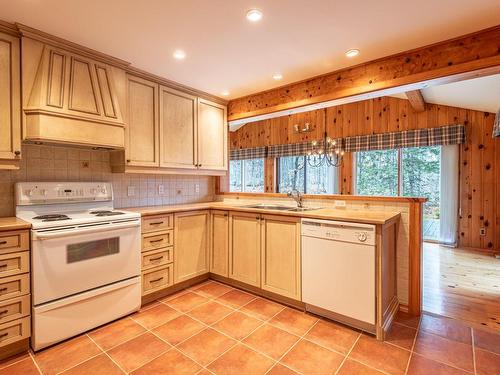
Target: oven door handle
78, 231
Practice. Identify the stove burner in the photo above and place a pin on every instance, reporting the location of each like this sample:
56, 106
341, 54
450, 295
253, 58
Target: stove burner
106, 213
52, 217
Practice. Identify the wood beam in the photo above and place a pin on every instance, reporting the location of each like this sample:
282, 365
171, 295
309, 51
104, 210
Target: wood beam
416, 100
465, 57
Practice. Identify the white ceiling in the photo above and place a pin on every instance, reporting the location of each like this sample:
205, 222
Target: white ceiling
224, 51
481, 94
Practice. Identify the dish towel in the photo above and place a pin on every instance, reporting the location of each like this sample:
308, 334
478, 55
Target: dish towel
496, 125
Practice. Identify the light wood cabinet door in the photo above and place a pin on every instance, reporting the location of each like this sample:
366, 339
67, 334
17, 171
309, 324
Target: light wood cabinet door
219, 244
244, 247
281, 256
178, 118
142, 138
10, 99
212, 135
190, 244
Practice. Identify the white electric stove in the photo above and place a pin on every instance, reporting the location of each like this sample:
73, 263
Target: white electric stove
85, 257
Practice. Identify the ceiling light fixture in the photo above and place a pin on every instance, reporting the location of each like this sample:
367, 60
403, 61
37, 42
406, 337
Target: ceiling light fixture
352, 52
225, 93
179, 54
277, 76
254, 15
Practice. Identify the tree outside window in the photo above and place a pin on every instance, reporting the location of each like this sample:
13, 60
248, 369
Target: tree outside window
246, 175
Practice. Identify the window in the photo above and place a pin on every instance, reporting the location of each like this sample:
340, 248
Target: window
246, 175
295, 174
408, 172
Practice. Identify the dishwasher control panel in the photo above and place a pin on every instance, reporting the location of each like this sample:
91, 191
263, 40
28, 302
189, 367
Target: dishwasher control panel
339, 231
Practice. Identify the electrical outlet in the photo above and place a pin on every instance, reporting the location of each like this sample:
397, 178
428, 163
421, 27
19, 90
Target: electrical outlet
197, 188
339, 203
161, 189
482, 231
85, 164
130, 191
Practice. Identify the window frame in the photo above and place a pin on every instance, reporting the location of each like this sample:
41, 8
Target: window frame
242, 176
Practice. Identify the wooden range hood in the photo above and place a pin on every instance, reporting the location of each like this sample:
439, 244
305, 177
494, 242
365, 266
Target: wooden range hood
70, 96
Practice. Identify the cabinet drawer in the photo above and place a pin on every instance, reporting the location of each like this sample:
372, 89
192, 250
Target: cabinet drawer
157, 240
13, 241
14, 331
14, 308
157, 223
14, 263
14, 286
157, 258
157, 279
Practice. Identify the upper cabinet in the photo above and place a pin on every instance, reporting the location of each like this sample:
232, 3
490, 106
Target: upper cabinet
212, 135
10, 102
171, 131
178, 122
142, 146
70, 98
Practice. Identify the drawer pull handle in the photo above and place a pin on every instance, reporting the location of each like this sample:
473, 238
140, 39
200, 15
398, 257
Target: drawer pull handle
156, 280
156, 223
3, 290
4, 335
153, 241
3, 266
4, 312
3, 242
155, 259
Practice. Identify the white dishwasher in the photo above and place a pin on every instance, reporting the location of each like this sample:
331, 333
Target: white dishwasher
338, 270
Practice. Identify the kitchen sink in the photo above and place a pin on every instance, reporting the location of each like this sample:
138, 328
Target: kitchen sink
280, 208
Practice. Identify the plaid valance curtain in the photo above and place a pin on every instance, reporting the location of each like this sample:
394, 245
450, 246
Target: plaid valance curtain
248, 153
297, 149
446, 135
496, 125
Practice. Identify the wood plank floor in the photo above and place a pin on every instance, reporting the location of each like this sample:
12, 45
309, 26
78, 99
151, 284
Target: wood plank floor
462, 284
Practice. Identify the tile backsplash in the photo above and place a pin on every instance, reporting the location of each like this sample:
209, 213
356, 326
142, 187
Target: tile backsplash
55, 163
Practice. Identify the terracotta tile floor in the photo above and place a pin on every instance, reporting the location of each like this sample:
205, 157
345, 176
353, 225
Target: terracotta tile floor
214, 329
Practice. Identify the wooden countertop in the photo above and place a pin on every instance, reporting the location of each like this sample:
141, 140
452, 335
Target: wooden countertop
13, 223
355, 216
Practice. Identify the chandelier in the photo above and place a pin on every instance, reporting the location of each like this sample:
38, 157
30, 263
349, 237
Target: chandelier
325, 152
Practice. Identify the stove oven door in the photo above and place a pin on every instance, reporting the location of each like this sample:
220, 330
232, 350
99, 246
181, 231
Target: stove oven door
67, 261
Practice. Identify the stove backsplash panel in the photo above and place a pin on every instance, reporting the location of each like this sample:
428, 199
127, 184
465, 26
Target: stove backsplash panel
55, 163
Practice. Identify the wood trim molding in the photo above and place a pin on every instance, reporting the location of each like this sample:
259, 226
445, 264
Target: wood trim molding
468, 56
325, 196
8, 28
415, 260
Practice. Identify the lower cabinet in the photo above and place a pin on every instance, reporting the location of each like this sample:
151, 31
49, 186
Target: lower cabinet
191, 242
281, 256
219, 243
244, 247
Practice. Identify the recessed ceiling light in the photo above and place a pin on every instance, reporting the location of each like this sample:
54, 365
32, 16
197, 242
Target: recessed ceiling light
277, 76
254, 15
179, 54
352, 52
225, 93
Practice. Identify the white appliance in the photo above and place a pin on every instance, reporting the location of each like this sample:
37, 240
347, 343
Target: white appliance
85, 257
338, 270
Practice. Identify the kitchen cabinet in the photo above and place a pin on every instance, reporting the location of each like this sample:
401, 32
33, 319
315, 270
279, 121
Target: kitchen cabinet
219, 243
142, 146
245, 247
212, 136
191, 240
10, 102
281, 255
178, 124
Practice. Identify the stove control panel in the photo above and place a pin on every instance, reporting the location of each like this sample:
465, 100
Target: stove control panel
57, 192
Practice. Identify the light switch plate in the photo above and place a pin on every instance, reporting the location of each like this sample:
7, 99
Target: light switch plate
130, 191
197, 188
161, 189
339, 203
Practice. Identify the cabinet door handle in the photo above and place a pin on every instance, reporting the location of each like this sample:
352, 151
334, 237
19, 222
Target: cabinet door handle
155, 259
4, 335
3, 290
156, 223
4, 312
128, 160
3, 242
156, 280
154, 241
17, 152
3, 265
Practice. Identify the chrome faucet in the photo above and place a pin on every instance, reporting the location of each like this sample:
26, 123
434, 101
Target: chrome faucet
296, 196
